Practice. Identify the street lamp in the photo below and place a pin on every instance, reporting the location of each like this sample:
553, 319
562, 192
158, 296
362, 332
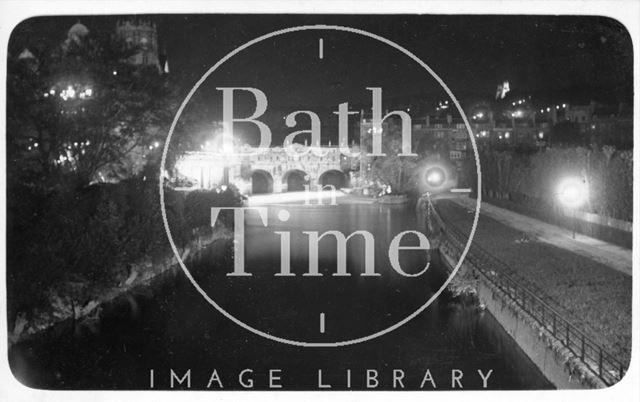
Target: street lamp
435, 177
573, 193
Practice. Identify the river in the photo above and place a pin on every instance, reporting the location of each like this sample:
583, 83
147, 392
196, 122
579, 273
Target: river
173, 328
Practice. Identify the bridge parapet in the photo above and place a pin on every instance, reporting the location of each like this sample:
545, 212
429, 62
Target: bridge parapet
207, 169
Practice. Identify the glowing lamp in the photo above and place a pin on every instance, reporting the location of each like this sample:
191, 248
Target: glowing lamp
435, 177
573, 192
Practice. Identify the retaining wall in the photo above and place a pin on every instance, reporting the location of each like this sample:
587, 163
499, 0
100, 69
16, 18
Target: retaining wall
555, 361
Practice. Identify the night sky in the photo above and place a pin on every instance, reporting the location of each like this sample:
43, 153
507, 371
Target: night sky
554, 59
471, 53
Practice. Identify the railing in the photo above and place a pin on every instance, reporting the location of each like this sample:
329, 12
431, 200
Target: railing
530, 299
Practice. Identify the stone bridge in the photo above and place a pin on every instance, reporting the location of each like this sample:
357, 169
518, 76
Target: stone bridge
274, 170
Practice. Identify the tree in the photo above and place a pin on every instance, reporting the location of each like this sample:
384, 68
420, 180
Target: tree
84, 113
392, 170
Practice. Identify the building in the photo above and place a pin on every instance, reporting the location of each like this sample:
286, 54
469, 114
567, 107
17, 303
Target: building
28, 59
443, 138
143, 36
76, 35
580, 114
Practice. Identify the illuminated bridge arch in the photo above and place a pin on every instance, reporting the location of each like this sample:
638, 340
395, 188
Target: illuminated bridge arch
294, 180
334, 177
261, 182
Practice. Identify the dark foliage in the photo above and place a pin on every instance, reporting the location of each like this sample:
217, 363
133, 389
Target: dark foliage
81, 111
198, 206
88, 236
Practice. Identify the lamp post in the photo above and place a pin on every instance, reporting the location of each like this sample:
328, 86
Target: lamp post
573, 193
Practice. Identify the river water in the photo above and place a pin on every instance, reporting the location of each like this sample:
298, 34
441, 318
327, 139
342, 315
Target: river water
173, 328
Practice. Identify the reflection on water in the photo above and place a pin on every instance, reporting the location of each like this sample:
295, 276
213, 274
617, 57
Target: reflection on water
176, 329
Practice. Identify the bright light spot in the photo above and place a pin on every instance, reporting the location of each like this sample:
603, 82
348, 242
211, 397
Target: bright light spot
541, 110
115, 72
52, 91
68, 93
294, 197
548, 109
507, 135
46, 94
572, 192
88, 91
541, 135
435, 176
557, 107
156, 144
564, 105
35, 144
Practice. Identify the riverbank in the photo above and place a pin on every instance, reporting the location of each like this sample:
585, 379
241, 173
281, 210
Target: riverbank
557, 362
174, 328
64, 313
579, 289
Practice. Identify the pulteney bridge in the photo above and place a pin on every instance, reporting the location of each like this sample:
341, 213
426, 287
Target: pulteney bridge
274, 170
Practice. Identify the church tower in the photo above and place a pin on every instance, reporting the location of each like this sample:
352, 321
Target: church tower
144, 36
